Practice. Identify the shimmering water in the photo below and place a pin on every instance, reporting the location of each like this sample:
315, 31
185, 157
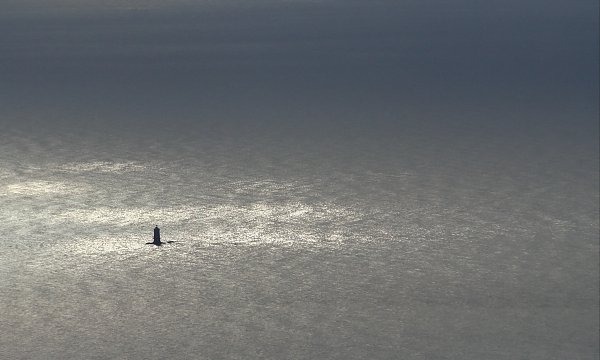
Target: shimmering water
407, 243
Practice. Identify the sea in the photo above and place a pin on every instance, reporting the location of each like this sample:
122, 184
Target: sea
422, 238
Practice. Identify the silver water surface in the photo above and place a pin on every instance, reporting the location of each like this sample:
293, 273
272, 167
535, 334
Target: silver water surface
321, 246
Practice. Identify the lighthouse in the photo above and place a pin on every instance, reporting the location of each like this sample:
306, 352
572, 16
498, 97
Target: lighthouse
156, 236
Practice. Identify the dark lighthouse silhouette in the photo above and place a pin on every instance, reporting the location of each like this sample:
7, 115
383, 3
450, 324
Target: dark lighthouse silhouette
156, 236
156, 240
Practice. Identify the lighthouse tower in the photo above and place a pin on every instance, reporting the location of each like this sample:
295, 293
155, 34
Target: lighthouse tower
157, 235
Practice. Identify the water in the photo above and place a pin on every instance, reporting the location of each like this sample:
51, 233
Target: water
408, 241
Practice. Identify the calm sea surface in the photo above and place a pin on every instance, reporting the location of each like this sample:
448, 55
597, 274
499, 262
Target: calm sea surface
327, 243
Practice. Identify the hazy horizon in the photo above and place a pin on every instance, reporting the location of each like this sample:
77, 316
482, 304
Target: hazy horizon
342, 179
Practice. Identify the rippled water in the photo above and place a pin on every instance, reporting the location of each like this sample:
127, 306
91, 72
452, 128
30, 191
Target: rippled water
411, 244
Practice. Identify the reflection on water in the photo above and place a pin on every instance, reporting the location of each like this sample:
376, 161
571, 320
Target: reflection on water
329, 251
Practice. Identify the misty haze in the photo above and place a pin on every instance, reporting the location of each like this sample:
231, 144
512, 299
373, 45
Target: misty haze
331, 179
